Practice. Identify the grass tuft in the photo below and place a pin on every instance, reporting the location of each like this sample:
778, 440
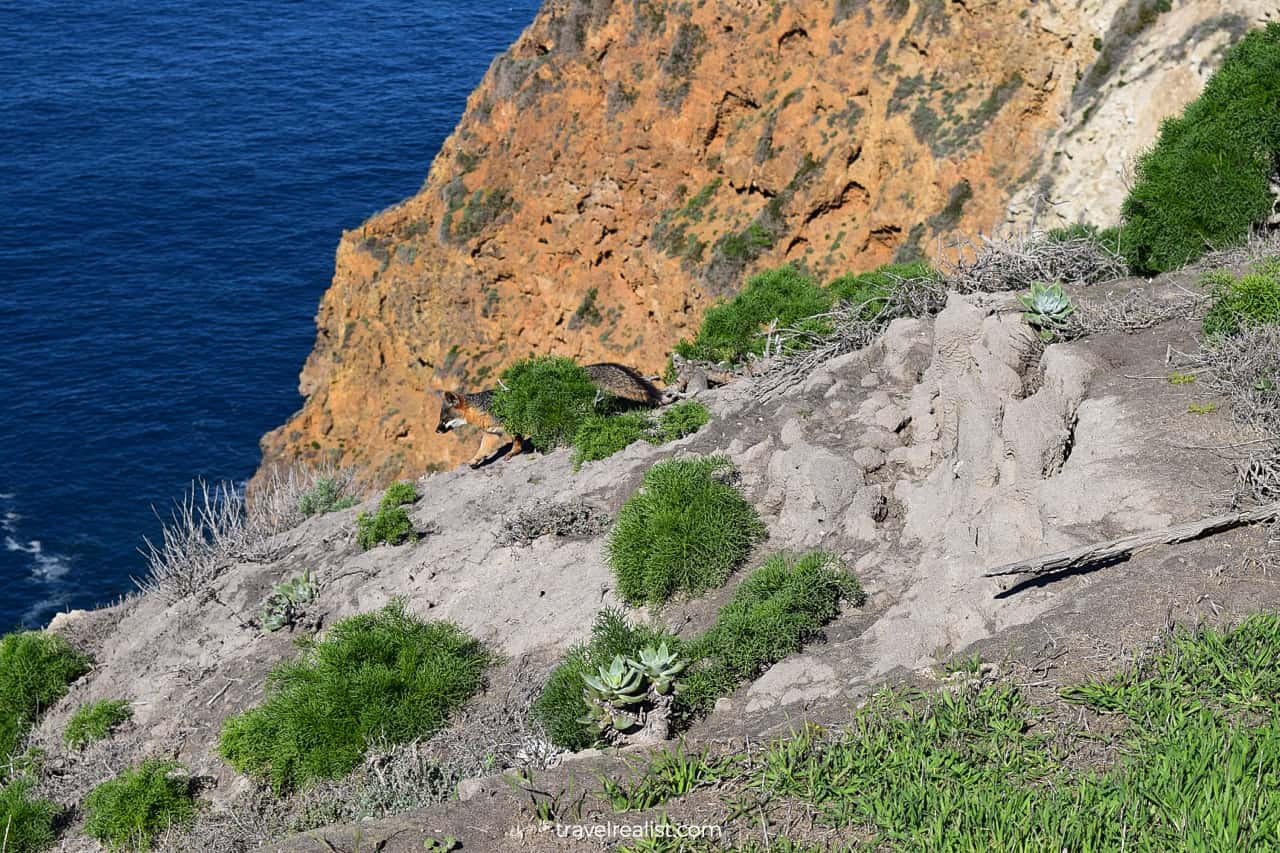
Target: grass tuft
385, 674
873, 291
95, 721
129, 811
390, 524
26, 824
601, 436
1252, 299
781, 606
684, 530
35, 670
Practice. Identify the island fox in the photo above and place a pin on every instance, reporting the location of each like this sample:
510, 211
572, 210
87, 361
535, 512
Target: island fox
476, 409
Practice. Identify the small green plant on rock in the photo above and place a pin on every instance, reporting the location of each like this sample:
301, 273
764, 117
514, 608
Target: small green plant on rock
26, 824
1252, 299
129, 811
601, 436
95, 721
390, 524
35, 669
684, 530
324, 497
781, 606
1048, 308
283, 605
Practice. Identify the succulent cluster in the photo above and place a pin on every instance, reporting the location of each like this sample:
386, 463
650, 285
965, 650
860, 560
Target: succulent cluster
1048, 308
618, 693
281, 607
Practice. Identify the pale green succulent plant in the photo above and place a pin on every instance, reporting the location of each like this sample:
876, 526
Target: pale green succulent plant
660, 666
613, 693
281, 607
1048, 307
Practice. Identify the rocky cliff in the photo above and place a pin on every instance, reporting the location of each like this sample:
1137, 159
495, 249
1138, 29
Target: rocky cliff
623, 164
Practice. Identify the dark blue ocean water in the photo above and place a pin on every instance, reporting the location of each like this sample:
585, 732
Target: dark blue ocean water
174, 178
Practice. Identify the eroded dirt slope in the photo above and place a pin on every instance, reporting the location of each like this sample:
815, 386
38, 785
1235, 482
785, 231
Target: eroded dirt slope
950, 446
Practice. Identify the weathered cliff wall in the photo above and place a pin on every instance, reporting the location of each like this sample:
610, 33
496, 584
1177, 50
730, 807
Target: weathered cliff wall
626, 162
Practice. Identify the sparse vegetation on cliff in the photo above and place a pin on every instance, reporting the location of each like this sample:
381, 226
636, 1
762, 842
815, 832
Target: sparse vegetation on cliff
131, 810
778, 608
1242, 301
95, 721
1182, 757
26, 822
1207, 181
684, 530
327, 495
381, 675
601, 436
561, 706
390, 525
35, 670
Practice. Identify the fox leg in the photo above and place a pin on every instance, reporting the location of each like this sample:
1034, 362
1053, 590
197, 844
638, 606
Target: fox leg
488, 444
519, 444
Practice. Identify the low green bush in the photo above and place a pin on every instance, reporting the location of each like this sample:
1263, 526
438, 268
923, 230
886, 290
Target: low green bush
1249, 300
873, 290
601, 436
544, 399
777, 609
1205, 183
129, 811
95, 721
325, 496
684, 530
732, 330
390, 524
380, 675
35, 670
26, 824
561, 707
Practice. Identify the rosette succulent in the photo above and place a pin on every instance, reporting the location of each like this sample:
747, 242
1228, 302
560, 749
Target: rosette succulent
660, 666
1048, 307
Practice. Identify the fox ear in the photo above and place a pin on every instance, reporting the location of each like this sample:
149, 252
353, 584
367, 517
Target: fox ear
451, 399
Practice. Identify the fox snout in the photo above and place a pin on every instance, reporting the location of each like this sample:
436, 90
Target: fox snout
449, 415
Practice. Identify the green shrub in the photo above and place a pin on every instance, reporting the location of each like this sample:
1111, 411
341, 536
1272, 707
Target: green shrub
377, 675
1205, 182
390, 524
35, 669
684, 530
544, 399
872, 290
26, 825
325, 496
601, 436
679, 420
1250, 300
777, 609
561, 707
129, 811
94, 721
732, 330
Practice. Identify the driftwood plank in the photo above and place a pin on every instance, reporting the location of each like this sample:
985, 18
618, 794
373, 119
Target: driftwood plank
1125, 546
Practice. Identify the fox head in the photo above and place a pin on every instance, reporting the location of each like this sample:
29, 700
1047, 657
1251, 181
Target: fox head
451, 406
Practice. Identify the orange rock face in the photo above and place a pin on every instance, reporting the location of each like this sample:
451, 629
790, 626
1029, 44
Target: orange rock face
627, 162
